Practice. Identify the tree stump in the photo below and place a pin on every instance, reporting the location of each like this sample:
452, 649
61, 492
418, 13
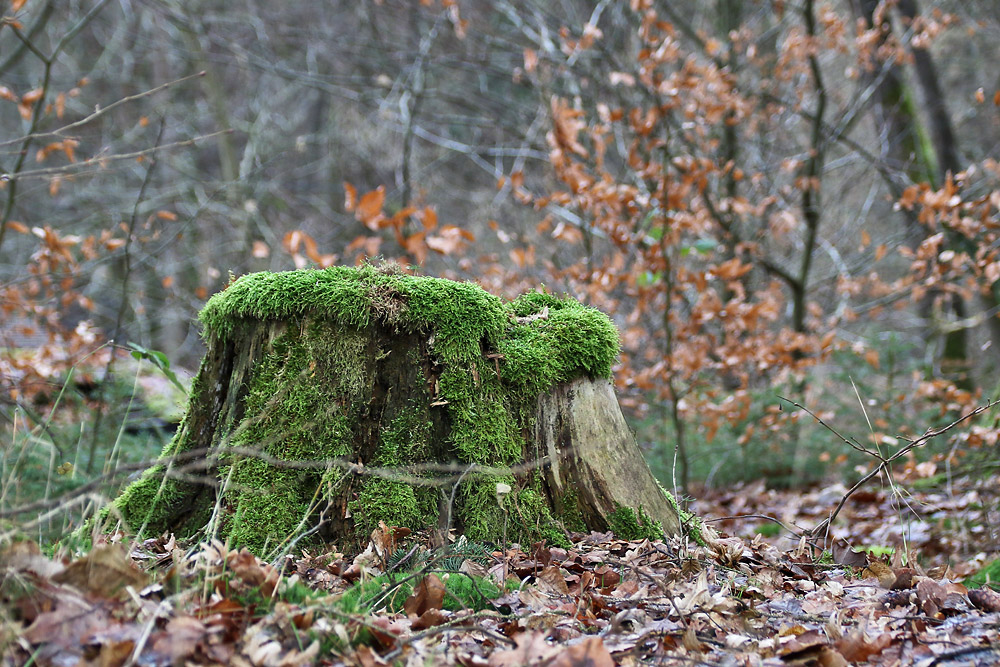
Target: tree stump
332, 400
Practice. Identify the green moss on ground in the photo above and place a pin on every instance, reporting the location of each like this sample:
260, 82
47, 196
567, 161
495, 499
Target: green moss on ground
312, 385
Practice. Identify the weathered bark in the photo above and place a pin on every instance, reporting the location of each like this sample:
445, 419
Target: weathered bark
594, 459
330, 401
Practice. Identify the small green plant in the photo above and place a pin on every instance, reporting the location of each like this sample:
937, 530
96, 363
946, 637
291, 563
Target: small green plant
389, 591
988, 576
159, 360
880, 550
768, 529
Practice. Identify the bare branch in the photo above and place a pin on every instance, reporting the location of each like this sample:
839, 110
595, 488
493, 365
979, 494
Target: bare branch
824, 526
100, 160
99, 112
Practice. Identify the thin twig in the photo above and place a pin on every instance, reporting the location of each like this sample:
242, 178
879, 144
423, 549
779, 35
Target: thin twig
61, 133
206, 457
99, 160
884, 462
847, 441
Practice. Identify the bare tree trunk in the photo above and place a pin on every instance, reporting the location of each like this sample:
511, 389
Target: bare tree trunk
955, 361
937, 109
916, 158
811, 193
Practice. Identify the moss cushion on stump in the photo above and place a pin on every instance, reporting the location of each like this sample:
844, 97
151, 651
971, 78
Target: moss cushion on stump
332, 400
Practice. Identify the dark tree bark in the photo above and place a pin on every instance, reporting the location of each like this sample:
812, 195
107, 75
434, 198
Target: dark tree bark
955, 362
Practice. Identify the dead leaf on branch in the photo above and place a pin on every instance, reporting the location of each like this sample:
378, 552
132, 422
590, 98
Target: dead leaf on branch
567, 123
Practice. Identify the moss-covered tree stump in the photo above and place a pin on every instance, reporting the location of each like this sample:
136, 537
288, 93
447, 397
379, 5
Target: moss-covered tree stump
330, 400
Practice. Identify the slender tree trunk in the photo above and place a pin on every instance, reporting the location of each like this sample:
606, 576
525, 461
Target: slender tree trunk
813, 172
955, 361
937, 109
917, 157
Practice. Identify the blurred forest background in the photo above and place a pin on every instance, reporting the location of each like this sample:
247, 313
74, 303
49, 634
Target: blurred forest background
794, 198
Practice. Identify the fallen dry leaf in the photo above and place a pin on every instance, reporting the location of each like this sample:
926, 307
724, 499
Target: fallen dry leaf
180, 639
104, 571
26, 556
531, 649
427, 594
552, 580
985, 598
857, 647
590, 652
253, 571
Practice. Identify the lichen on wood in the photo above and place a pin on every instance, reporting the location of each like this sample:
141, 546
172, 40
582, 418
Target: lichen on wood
331, 374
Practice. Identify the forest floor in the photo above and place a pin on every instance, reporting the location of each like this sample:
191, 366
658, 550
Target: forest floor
740, 599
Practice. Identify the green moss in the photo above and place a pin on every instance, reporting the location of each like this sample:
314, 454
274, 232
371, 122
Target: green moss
570, 513
630, 524
299, 408
147, 504
555, 347
768, 529
988, 576
266, 515
527, 519
395, 503
144, 502
483, 427
461, 314
570, 339
483, 518
534, 520
406, 440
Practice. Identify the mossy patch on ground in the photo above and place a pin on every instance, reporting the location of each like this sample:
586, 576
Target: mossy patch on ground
360, 365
